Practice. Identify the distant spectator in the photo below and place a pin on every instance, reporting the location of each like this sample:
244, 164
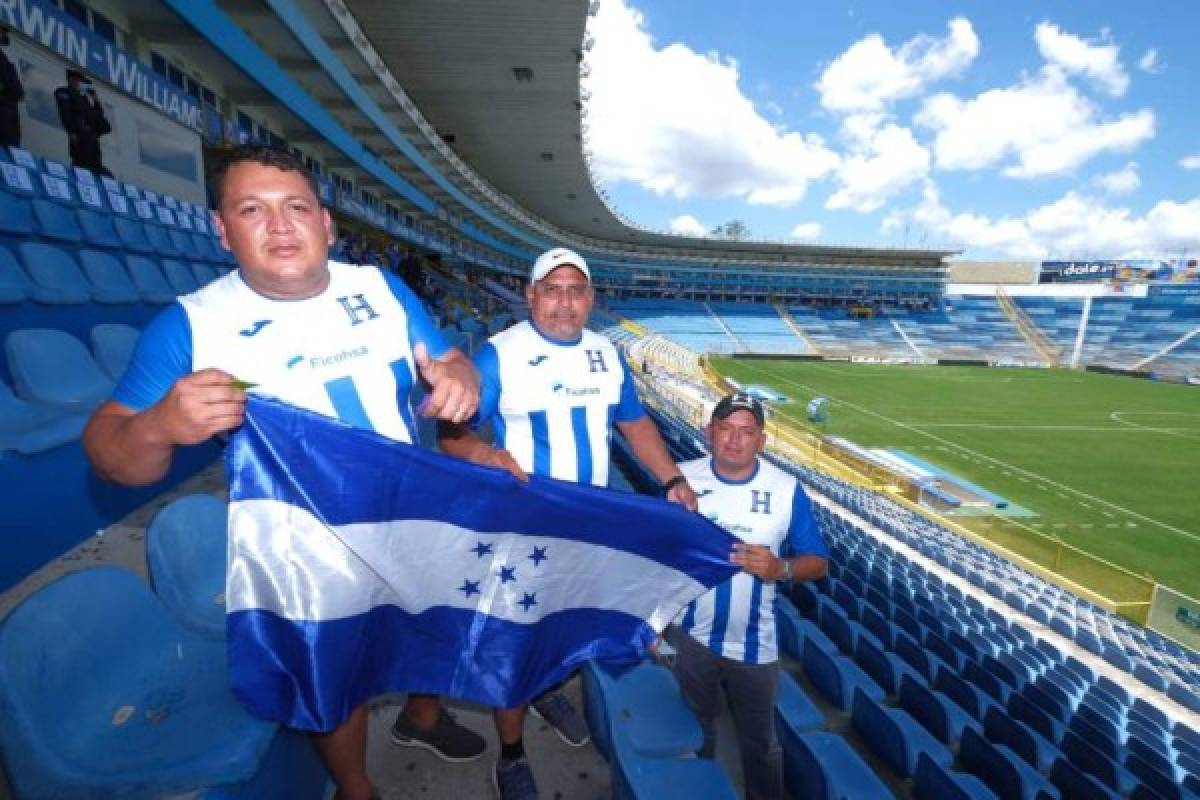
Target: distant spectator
83, 119
11, 93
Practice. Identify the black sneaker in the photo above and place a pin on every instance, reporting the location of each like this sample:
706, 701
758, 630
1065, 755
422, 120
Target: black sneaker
447, 740
514, 780
556, 709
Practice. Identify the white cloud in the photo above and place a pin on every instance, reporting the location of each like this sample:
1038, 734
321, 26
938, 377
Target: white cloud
1190, 162
1073, 225
889, 160
687, 225
1149, 62
676, 122
869, 74
1041, 126
1100, 62
1122, 181
807, 231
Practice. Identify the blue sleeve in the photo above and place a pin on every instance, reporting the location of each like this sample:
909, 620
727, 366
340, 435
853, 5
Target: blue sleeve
630, 407
162, 356
804, 535
488, 364
421, 327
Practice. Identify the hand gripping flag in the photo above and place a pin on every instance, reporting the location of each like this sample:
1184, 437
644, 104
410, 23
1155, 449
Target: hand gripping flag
359, 565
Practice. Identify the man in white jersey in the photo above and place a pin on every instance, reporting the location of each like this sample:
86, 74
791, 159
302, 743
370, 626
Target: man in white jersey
553, 391
344, 341
726, 637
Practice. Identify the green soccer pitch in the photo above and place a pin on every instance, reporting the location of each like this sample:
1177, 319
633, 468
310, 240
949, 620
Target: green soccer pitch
1109, 464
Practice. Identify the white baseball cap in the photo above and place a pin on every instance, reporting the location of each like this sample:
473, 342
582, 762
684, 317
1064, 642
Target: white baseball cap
551, 260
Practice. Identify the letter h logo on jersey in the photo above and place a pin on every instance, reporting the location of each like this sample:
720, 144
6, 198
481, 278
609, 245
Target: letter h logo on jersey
760, 502
596, 361
356, 306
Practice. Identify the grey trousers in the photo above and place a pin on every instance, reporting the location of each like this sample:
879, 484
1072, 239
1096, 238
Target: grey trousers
750, 689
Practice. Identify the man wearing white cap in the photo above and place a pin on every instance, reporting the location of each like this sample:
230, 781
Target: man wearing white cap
553, 391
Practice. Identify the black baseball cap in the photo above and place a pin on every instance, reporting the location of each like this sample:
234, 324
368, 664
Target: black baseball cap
741, 401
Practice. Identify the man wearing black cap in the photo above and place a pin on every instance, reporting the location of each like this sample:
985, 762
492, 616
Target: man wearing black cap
11, 93
726, 637
83, 119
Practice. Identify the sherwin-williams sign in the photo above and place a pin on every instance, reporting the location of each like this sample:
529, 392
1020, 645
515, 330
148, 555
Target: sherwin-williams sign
50, 27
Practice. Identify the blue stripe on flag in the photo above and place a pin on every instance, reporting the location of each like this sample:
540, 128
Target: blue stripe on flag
721, 598
315, 449
583, 445
346, 403
751, 656
540, 433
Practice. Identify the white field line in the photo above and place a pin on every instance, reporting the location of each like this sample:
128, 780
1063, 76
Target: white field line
1119, 416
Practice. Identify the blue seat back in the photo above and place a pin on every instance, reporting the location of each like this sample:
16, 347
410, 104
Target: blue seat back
979, 757
149, 279
54, 368
16, 216
14, 284
132, 234
97, 228
203, 273
185, 549
112, 345
56, 221
54, 276
179, 275
109, 279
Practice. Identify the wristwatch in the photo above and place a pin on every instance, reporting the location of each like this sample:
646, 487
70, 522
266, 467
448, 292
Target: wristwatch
789, 571
672, 483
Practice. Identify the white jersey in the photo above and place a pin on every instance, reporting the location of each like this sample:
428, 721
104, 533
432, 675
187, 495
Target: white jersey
343, 353
552, 404
736, 619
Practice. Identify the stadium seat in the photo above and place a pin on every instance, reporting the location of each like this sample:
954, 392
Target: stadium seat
160, 240
184, 244
637, 776
822, 766
53, 368
645, 702
940, 715
1004, 772
1074, 784
16, 215
28, 429
112, 345
98, 229
837, 677
203, 273
1018, 737
1094, 762
14, 284
894, 737
54, 278
110, 282
934, 782
794, 630
885, 668
185, 552
56, 221
1186, 696
132, 234
179, 276
149, 279
81, 722
795, 708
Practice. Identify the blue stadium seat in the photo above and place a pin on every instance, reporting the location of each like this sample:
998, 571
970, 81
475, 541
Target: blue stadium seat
934, 782
794, 706
28, 429
185, 551
1021, 739
56, 221
822, 766
132, 234
203, 273
160, 240
940, 715
894, 737
14, 284
184, 244
794, 630
53, 368
54, 278
112, 345
837, 677
16, 215
1074, 784
637, 776
1002, 770
149, 279
1094, 762
887, 669
97, 229
1160, 783
1186, 696
179, 276
158, 720
645, 702
109, 280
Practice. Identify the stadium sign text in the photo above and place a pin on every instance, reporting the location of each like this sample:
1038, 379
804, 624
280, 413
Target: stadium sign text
50, 27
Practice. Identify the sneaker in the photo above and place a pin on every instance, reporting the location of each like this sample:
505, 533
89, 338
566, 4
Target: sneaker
447, 740
514, 780
556, 709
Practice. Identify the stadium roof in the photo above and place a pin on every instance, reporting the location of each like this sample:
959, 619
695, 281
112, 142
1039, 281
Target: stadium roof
499, 80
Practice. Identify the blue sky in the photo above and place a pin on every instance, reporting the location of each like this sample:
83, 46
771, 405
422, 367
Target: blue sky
1008, 130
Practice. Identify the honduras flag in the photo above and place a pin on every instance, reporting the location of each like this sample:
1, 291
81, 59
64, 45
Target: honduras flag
359, 565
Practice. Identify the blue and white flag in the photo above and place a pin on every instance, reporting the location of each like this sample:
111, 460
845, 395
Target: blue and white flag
359, 565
